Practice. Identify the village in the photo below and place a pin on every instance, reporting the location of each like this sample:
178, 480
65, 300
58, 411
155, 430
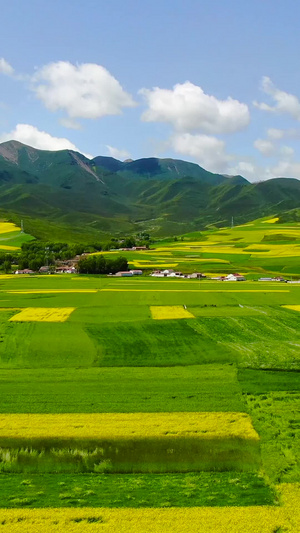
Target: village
70, 267
170, 273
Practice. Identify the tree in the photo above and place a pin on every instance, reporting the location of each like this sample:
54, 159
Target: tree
7, 266
97, 264
35, 264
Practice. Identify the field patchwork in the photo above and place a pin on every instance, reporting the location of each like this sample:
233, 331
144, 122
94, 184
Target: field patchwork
151, 425
262, 246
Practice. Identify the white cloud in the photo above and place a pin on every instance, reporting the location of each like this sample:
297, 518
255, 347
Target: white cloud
275, 134
264, 146
270, 146
285, 103
87, 90
5, 67
70, 123
208, 151
287, 151
188, 109
287, 169
30, 135
118, 154
247, 169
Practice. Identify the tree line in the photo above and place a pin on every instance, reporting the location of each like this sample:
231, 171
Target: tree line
35, 254
98, 264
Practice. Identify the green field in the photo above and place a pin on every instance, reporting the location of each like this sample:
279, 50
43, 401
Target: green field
112, 327
121, 390
143, 490
239, 354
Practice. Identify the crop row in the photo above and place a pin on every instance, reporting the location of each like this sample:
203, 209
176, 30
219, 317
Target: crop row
126, 425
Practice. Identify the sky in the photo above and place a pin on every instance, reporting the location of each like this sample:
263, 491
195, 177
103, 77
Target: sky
215, 82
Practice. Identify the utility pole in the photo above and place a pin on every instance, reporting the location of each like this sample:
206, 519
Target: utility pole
22, 227
232, 224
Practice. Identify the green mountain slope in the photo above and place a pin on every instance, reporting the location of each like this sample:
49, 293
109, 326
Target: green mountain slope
90, 199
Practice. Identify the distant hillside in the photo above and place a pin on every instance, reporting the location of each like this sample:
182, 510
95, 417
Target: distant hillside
64, 194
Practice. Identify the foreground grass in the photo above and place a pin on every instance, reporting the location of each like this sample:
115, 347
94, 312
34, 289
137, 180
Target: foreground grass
273, 400
276, 418
143, 490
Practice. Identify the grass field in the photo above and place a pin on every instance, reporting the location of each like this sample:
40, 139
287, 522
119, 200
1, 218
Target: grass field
143, 490
236, 350
102, 390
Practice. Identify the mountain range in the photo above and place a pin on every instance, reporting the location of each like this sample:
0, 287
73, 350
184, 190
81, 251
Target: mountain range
65, 195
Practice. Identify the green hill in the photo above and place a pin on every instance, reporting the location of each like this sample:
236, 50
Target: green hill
66, 195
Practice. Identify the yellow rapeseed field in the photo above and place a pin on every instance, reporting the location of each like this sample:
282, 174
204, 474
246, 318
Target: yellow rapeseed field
141, 264
8, 227
196, 259
271, 220
163, 312
43, 314
257, 250
127, 425
51, 291
293, 307
9, 248
259, 519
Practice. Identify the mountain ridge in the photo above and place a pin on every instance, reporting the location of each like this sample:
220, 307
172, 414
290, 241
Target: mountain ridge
104, 195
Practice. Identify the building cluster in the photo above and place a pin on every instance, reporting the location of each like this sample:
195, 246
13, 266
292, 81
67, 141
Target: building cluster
133, 249
231, 277
170, 273
127, 273
279, 278
66, 269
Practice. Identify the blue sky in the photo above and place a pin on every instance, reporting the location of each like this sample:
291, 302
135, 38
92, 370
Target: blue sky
215, 82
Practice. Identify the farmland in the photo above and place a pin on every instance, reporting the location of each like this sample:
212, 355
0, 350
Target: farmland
11, 237
254, 249
121, 395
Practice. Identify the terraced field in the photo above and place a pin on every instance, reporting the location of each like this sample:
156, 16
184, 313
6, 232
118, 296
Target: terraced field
149, 405
255, 249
